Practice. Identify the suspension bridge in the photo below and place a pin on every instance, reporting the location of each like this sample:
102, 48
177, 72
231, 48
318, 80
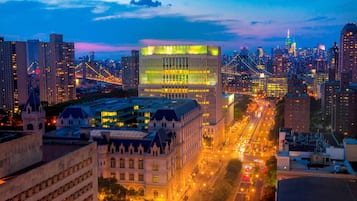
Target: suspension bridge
96, 72
253, 68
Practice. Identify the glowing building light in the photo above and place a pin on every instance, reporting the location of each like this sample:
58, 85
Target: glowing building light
180, 50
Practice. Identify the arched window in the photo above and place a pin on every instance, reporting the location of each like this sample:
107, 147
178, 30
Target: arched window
112, 162
40, 126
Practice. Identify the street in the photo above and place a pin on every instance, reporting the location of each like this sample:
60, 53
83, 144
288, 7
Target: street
246, 140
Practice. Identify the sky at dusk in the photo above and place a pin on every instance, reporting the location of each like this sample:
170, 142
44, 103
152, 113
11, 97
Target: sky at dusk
112, 28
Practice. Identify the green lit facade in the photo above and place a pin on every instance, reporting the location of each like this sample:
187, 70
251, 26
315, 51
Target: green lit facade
184, 71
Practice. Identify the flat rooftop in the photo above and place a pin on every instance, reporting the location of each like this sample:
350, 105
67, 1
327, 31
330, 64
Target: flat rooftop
316, 188
6, 136
51, 150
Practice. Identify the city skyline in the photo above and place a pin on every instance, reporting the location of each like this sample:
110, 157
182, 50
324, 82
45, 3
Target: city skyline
112, 28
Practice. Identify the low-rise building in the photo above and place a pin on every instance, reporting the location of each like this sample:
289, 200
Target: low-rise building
34, 169
157, 163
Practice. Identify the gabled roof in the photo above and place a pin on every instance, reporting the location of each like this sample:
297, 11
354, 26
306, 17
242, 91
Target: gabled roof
75, 112
160, 138
176, 110
33, 101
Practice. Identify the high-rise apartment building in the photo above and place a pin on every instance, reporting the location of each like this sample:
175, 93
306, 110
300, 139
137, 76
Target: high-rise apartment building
130, 66
57, 70
348, 51
297, 106
13, 76
186, 71
344, 112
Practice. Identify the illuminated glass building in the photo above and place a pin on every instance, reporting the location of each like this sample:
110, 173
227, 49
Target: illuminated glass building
276, 87
348, 51
13, 76
186, 71
57, 74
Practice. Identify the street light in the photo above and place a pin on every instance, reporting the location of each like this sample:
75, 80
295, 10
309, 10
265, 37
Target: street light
101, 196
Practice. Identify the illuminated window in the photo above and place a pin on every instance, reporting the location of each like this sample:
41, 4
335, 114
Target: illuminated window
155, 179
155, 166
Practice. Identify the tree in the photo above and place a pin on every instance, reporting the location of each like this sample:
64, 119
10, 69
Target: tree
268, 193
233, 168
271, 165
241, 107
222, 191
110, 190
279, 121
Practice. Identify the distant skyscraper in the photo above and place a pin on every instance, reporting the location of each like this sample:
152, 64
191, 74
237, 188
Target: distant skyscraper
13, 76
348, 51
288, 40
186, 71
130, 66
333, 54
281, 63
57, 70
290, 44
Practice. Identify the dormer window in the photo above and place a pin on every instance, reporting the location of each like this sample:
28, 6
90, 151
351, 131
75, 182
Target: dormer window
122, 149
140, 149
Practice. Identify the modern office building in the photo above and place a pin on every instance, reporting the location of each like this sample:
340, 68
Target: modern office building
157, 163
13, 76
276, 87
186, 71
57, 70
348, 51
130, 66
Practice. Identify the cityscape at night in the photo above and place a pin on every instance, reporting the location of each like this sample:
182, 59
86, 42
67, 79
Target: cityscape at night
175, 100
